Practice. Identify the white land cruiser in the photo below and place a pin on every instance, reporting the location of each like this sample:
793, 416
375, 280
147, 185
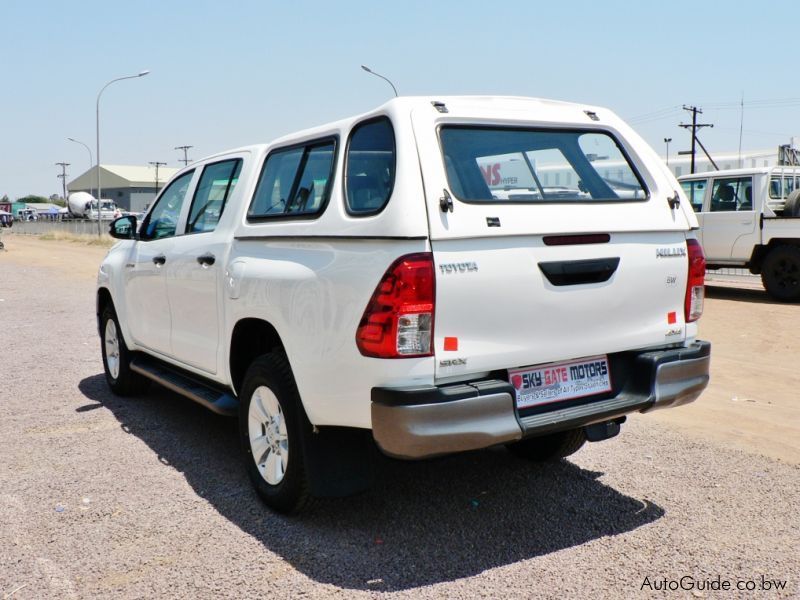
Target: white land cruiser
751, 218
379, 278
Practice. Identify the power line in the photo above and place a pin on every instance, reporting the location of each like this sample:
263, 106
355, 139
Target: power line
185, 160
63, 177
157, 164
695, 126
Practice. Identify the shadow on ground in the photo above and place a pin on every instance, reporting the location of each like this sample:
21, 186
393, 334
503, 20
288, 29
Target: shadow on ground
421, 523
741, 294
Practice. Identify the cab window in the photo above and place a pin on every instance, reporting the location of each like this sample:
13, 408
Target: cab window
696, 191
732, 194
215, 187
163, 219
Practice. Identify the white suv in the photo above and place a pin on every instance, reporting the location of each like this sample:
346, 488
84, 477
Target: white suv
379, 278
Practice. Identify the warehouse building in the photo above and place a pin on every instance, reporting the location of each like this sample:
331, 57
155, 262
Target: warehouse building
132, 188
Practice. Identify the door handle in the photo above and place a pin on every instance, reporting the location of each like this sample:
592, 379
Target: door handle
159, 260
206, 259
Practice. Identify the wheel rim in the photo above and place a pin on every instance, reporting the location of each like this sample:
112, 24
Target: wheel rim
111, 341
269, 441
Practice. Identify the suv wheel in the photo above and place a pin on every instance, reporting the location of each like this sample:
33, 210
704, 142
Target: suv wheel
117, 357
549, 447
780, 273
270, 422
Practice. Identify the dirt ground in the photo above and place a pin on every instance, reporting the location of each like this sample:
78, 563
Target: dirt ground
751, 403
147, 497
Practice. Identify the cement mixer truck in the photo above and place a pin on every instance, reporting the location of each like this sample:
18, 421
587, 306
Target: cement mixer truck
83, 205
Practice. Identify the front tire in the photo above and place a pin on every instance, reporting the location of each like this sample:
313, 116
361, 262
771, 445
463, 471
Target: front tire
117, 357
270, 427
549, 447
780, 273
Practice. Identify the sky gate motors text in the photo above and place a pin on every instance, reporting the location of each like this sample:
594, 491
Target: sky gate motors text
547, 377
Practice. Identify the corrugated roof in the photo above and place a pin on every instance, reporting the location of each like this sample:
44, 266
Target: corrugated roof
139, 175
117, 176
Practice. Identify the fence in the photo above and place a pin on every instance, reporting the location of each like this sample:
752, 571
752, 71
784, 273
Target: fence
76, 226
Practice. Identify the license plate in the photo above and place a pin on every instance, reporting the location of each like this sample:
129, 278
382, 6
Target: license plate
556, 382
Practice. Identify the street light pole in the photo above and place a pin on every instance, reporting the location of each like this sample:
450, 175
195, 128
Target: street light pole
371, 72
91, 160
99, 186
667, 141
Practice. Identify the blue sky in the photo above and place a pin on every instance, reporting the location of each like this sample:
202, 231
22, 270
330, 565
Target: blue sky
225, 74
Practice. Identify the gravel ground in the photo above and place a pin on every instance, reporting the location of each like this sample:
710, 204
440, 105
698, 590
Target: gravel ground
104, 497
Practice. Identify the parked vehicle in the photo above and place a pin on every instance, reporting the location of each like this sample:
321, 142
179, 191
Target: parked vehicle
361, 282
750, 218
84, 205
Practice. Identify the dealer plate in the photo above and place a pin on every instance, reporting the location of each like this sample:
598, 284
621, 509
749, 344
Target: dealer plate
556, 382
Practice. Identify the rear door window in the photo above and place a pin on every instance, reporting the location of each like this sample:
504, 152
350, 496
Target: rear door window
295, 182
215, 187
732, 194
370, 168
492, 165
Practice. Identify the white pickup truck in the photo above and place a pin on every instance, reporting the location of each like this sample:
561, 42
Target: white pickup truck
750, 218
362, 283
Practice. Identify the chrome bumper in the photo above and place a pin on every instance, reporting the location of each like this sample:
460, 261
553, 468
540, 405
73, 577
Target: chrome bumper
425, 421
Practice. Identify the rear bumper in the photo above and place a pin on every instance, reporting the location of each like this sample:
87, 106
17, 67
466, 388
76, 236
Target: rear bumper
422, 421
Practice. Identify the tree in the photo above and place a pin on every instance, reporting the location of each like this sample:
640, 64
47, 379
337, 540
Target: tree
33, 199
5, 199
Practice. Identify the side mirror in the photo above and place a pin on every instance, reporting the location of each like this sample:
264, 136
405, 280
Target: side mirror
123, 228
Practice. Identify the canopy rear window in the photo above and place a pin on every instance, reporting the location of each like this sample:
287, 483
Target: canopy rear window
494, 165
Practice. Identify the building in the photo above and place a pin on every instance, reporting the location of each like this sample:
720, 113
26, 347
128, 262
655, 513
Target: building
132, 188
681, 165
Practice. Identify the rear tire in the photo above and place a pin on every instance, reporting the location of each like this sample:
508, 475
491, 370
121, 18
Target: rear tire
780, 273
117, 358
271, 419
549, 447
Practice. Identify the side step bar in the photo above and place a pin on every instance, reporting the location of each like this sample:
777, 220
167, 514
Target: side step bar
213, 399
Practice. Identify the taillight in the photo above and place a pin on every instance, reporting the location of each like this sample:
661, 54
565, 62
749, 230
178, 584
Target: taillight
695, 290
398, 321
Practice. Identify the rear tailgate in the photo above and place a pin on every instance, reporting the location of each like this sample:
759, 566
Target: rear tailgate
519, 283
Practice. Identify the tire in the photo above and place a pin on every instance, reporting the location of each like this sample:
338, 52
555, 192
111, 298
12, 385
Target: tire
792, 206
780, 273
117, 358
271, 422
549, 447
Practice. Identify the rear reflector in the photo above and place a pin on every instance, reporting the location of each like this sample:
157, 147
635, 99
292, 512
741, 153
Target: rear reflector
695, 290
398, 321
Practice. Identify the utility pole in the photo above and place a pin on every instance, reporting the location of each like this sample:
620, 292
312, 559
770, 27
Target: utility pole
157, 164
695, 126
185, 159
63, 178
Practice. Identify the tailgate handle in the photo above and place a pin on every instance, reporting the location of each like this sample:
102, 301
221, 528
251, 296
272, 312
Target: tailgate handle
576, 272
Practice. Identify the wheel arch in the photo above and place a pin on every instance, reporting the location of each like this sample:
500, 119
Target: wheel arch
103, 300
250, 338
760, 252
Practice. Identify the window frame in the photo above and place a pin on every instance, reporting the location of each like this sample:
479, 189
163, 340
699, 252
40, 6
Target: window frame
345, 198
307, 146
146, 221
240, 161
623, 151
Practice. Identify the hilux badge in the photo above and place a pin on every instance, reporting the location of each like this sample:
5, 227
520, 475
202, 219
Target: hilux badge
670, 252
